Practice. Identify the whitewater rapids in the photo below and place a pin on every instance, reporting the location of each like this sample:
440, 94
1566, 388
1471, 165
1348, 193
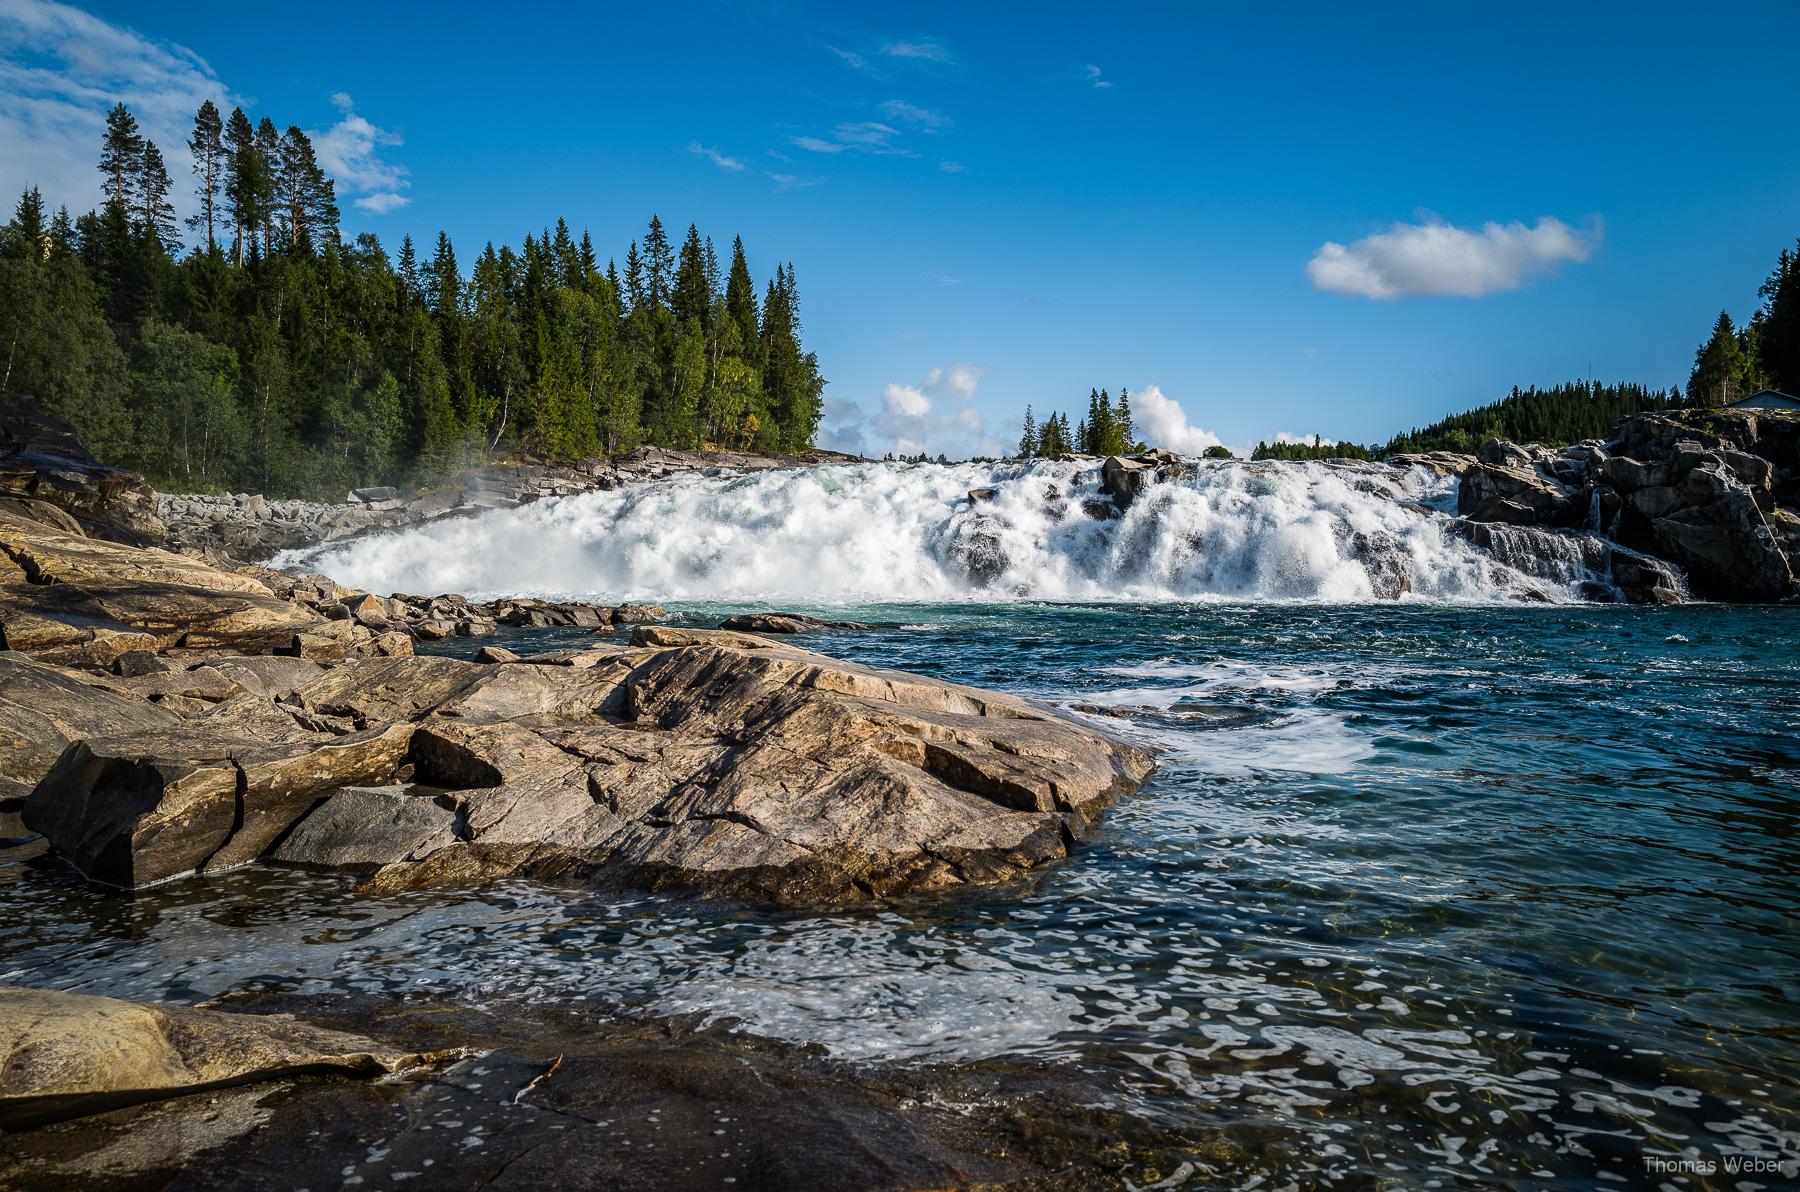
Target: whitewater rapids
875, 532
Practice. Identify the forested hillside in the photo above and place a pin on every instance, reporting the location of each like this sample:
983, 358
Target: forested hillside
1564, 413
272, 354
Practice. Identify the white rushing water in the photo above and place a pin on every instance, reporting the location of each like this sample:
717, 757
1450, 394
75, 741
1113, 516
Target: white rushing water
911, 532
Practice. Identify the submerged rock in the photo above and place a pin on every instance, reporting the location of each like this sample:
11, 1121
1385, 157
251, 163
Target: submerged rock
70, 1054
783, 623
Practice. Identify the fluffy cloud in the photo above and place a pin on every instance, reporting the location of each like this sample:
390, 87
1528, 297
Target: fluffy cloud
1161, 422
350, 151
905, 401
61, 69
1092, 74
1436, 259
937, 415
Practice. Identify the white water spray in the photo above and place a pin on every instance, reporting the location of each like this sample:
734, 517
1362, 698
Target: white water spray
875, 532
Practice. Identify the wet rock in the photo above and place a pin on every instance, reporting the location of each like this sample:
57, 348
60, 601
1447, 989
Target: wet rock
783, 623
1517, 494
365, 827
70, 1054
638, 614
1437, 463
495, 654
1123, 477
139, 809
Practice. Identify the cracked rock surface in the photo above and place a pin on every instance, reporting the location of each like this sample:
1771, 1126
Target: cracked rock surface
707, 761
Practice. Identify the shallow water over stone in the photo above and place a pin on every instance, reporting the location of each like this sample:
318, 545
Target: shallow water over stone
1478, 893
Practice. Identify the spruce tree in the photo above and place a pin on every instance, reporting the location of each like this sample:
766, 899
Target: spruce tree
443, 284
740, 298
1778, 344
1127, 432
1720, 370
408, 269
692, 298
659, 264
1028, 438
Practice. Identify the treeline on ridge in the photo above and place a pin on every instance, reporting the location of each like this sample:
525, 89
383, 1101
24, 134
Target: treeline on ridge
277, 357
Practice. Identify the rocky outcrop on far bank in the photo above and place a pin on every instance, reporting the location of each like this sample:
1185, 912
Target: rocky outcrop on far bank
1715, 493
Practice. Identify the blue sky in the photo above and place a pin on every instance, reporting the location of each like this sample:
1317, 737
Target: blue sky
989, 205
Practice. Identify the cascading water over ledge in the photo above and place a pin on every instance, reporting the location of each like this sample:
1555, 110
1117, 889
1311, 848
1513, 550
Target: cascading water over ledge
1332, 533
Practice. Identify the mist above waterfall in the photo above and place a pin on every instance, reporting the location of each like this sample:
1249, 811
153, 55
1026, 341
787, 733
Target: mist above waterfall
884, 532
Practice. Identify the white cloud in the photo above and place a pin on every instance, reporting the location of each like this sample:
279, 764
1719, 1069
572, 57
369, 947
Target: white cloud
350, 151
1092, 74
905, 401
918, 51
1161, 422
863, 136
61, 69
938, 415
381, 202
1283, 436
913, 114
841, 428
723, 160
953, 167
1436, 259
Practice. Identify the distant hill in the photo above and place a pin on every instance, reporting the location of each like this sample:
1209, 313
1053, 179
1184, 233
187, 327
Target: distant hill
1565, 413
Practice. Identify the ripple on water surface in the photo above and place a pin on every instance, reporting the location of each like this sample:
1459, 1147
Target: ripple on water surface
1482, 893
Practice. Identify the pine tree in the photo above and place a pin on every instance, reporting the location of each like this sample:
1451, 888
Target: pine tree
1028, 438
268, 159
156, 216
122, 157
1127, 432
207, 147
243, 183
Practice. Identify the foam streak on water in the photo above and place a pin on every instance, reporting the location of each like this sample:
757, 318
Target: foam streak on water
882, 532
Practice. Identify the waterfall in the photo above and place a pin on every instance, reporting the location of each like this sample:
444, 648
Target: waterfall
874, 532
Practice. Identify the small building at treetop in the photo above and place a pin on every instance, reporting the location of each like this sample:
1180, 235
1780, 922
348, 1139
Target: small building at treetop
1766, 399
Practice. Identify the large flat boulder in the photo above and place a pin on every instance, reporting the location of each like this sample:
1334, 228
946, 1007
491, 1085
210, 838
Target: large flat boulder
728, 763
709, 761
69, 1054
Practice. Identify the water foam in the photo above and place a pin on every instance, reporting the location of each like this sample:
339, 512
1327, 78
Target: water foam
876, 532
